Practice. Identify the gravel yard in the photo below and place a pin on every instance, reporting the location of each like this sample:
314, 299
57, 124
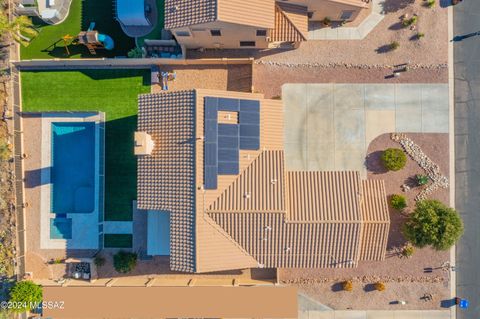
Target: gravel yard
405, 278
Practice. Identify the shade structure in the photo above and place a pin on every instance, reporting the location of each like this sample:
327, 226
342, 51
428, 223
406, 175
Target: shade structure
132, 12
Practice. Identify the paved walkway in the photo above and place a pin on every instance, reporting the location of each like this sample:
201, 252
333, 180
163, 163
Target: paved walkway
329, 126
318, 32
376, 314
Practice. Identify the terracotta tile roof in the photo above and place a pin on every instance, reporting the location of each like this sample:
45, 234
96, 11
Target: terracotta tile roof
377, 220
264, 216
291, 23
181, 13
323, 196
166, 179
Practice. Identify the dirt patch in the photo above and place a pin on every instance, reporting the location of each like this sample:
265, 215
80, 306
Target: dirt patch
406, 278
217, 77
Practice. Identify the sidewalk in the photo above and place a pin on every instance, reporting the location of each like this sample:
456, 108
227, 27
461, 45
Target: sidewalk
375, 314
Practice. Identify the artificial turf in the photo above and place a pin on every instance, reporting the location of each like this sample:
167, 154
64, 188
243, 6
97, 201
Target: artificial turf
49, 44
118, 240
114, 92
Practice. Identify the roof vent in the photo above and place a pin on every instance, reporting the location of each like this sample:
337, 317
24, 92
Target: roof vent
261, 265
287, 249
273, 181
246, 195
174, 9
268, 228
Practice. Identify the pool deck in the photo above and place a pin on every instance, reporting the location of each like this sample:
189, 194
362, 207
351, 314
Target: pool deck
40, 248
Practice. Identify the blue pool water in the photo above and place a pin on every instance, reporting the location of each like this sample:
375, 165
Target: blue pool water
73, 169
60, 228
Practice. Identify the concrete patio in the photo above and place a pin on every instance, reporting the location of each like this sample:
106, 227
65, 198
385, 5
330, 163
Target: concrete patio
329, 126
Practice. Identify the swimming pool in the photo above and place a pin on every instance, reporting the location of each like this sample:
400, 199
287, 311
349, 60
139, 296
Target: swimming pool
73, 168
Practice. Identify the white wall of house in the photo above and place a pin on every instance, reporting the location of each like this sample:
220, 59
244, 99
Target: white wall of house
336, 11
200, 36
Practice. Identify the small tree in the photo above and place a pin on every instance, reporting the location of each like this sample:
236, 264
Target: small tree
398, 201
19, 28
393, 46
347, 285
25, 294
380, 286
432, 223
409, 22
124, 261
394, 159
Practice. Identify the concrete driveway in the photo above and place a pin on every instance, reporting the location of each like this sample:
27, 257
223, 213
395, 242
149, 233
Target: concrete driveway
329, 126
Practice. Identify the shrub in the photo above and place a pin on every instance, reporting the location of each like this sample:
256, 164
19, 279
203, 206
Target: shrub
394, 45
433, 223
430, 3
327, 21
421, 179
5, 151
25, 293
124, 261
398, 201
99, 261
394, 159
420, 35
347, 285
409, 22
135, 53
380, 286
408, 250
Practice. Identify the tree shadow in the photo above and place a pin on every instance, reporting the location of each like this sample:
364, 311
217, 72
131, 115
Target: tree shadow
374, 163
383, 49
396, 26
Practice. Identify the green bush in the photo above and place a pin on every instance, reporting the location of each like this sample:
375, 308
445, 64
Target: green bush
124, 261
408, 250
420, 35
25, 294
398, 201
394, 159
135, 53
421, 179
394, 45
409, 22
327, 21
5, 151
430, 3
433, 223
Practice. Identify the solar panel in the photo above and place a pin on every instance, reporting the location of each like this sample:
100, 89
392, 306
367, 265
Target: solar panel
225, 104
249, 106
211, 113
211, 154
247, 130
211, 131
249, 143
228, 129
228, 142
211, 102
228, 168
250, 118
228, 155
211, 177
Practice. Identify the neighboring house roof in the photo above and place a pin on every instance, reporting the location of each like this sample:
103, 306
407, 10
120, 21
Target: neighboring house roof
183, 13
291, 23
262, 216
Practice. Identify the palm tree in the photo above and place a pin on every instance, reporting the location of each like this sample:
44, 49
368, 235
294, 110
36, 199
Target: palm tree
20, 28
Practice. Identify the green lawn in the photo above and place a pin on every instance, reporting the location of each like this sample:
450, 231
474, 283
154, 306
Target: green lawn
118, 241
114, 92
49, 43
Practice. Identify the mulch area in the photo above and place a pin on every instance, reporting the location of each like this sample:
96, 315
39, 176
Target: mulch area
405, 278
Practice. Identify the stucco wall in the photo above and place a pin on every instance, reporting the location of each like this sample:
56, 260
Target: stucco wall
331, 9
232, 34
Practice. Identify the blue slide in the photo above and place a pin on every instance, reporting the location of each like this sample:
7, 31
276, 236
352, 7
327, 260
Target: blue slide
107, 41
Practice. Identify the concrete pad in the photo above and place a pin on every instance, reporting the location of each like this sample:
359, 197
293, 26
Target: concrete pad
349, 127
349, 96
436, 314
295, 156
319, 97
295, 98
321, 315
351, 314
344, 33
380, 96
435, 120
409, 314
380, 314
331, 34
408, 98
320, 157
353, 160
378, 122
435, 94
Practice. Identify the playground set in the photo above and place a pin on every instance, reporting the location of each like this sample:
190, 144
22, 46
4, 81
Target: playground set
91, 38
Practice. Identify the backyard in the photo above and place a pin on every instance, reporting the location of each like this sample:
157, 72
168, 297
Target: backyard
49, 43
111, 91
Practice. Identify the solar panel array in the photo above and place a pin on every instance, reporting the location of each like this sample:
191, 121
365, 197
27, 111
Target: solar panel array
223, 142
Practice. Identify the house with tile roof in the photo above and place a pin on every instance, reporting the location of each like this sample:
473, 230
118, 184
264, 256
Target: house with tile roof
233, 24
215, 173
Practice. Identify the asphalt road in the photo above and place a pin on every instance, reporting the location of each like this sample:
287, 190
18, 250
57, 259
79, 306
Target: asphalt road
467, 151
